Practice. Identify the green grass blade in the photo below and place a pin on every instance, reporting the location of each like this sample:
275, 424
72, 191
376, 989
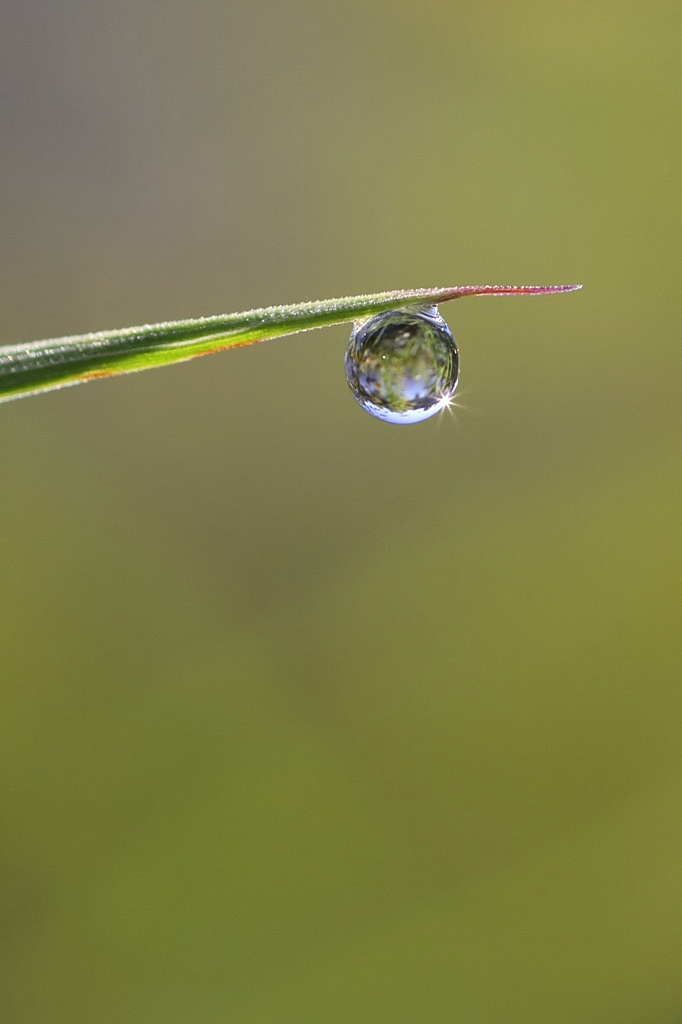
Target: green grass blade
36, 366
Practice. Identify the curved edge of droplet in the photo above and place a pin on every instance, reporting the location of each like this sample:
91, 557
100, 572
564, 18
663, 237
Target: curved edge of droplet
409, 416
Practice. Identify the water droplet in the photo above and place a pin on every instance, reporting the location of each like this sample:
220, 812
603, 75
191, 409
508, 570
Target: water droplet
402, 366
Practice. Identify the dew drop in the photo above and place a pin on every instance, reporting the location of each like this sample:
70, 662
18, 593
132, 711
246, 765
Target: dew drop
402, 366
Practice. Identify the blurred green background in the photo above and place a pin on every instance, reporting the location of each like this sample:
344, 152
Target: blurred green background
306, 717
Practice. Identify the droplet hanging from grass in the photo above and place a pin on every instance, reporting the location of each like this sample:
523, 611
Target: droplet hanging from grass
402, 366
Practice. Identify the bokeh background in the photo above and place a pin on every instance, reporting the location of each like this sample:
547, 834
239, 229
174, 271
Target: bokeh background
303, 716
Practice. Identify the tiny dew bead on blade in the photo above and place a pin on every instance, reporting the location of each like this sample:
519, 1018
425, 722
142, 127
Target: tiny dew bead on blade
402, 366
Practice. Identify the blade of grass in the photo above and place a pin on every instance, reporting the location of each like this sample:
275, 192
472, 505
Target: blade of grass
36, 366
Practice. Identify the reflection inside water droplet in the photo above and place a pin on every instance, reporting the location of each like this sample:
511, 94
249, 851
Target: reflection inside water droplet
402, 366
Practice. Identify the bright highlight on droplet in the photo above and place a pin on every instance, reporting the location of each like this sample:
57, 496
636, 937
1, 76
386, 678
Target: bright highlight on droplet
402, 366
